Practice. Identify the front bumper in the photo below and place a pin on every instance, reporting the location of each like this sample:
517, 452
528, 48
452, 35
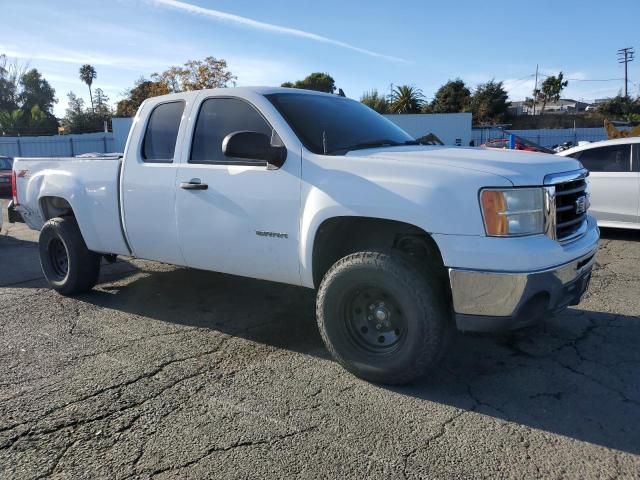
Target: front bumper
486, 301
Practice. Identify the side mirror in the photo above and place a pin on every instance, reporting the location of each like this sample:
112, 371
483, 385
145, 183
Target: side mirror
254, 146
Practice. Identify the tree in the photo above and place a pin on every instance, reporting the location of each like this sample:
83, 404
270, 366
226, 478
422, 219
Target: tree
452, 97
551, 89
196, 75
406, 99
142, 90
27, 91
10, 121
88, 75
78, 119
489, 102
101, 103
620, 108
320, 82
10, 75
35, 90
375, 101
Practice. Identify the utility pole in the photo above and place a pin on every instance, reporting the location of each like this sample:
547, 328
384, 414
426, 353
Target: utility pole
535, 90
625, 55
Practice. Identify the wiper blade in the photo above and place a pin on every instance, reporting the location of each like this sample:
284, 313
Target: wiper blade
362, 146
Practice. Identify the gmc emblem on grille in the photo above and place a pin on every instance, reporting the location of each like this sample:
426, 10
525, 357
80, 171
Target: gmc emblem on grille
581, 205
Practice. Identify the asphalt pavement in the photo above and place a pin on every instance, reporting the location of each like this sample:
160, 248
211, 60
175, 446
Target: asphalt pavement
174, 373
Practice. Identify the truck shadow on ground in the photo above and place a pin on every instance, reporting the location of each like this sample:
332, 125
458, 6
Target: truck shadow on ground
575, 375
620, 234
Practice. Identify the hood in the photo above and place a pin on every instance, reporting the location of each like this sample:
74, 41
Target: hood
519, 167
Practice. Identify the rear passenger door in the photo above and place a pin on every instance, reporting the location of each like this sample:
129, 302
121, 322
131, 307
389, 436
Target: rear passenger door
612, 183
148, 182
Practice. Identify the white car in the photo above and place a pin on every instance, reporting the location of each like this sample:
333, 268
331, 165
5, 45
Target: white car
402, 241
614, 180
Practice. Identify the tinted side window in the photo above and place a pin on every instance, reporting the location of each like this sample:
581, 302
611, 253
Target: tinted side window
615, 158
218, 118
162, 132
636, 157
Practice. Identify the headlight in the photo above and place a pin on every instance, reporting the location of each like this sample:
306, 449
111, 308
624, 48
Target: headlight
512, 211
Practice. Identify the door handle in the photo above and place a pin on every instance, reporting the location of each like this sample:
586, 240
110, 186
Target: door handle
194, 184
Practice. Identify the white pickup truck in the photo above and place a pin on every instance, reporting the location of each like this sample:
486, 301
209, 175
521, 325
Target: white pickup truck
403, 242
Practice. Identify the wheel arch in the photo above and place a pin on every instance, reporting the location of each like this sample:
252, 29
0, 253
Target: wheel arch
342, 235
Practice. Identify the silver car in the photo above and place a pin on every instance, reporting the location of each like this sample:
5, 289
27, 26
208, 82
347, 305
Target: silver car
614, 180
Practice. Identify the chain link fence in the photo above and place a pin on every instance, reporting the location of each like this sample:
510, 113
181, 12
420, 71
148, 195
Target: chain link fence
544, 137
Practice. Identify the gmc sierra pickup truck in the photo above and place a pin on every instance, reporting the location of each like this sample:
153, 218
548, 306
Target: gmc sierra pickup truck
403, 242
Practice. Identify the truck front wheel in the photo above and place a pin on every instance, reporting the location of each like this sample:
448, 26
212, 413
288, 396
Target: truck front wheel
382, 319
67, 264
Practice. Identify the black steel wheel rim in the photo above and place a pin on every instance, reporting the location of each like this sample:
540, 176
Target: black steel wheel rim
374, 320
58, 258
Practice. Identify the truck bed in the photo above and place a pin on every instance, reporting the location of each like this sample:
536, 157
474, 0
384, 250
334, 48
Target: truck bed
90, 185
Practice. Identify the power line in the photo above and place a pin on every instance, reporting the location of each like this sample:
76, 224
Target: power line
588, 79
625, 55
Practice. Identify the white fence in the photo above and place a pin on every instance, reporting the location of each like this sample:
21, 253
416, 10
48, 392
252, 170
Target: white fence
57, 145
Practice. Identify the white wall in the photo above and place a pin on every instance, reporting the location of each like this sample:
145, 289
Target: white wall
451, 128
120, 127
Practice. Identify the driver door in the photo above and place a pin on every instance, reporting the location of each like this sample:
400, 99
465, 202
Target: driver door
244, 217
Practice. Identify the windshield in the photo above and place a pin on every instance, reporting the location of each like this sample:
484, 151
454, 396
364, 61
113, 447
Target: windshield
5, 163
334, 125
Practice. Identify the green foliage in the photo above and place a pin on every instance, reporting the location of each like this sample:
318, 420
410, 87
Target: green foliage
621, 108
35, 90
406, 99
10, 74
452, 97
79, 119
489, 103
10, 120
375, 101
320, 82
551, 89
26, 100
142, 90
196, 75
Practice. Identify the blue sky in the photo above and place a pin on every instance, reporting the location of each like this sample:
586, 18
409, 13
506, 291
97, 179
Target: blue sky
363, 45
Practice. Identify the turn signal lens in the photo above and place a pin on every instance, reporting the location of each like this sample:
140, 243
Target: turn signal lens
494, 207
512, 212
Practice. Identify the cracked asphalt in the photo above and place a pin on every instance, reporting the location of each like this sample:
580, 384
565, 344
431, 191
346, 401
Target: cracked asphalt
172, 373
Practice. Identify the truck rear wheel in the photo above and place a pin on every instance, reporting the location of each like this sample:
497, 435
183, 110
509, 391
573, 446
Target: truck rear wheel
381, 319
67, 264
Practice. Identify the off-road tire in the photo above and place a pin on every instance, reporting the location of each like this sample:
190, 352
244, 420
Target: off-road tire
82, 265
421, 304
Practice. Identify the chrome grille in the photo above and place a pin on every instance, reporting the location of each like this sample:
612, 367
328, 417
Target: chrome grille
569, 219
566, 205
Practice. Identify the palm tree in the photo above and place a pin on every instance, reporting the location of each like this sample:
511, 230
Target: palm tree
10, 121
87, 75
406, 99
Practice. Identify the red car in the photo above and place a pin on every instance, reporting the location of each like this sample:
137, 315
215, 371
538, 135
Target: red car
6, 164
